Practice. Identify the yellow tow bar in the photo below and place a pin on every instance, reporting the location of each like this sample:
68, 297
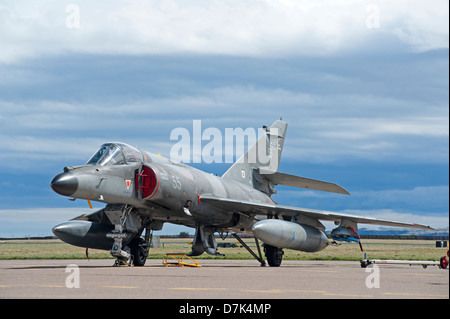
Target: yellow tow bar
179, 260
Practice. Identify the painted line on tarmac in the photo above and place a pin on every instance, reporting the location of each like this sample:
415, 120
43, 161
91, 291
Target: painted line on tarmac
414, 295
322, 292
190, 288
347, 295
121, 287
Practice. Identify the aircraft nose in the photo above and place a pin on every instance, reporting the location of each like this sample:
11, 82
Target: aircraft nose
64, 184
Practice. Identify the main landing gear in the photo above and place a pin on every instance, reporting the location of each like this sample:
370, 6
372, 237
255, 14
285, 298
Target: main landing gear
135, 253
128, 228
274, 255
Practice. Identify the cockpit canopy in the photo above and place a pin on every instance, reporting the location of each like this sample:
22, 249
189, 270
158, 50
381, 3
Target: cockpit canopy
116, 154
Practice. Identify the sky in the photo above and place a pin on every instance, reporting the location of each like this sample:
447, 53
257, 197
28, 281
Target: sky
363, 86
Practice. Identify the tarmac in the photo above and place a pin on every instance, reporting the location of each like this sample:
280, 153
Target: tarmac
219, 279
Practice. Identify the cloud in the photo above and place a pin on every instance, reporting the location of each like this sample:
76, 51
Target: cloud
322, 128
424, 197
268, 28
422, 27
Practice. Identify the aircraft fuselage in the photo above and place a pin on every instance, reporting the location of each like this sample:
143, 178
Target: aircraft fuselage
160, 188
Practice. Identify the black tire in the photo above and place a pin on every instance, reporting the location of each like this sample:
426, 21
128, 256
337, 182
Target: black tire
274, 255
443, 262
139, 251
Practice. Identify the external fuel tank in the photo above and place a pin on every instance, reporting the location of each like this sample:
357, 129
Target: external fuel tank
285, 234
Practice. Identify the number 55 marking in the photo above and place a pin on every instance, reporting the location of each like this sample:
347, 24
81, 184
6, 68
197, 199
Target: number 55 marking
176, 182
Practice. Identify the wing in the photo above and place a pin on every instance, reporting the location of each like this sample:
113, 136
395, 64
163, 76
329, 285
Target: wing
253, 209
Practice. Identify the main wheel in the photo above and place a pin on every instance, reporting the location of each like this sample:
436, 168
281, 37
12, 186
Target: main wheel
444, 262
139, 251
274, 255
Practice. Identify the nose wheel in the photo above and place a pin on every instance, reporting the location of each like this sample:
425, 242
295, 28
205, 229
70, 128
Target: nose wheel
139, 251
129, 247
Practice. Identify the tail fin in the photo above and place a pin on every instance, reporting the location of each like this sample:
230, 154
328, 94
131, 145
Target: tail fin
259, 166
265, 154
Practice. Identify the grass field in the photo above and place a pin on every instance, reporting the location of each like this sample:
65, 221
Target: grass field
374, 248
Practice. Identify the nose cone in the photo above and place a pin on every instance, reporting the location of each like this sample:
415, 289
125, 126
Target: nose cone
64, 184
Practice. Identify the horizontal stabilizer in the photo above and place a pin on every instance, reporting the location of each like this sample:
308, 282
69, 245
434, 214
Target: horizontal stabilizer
278, 178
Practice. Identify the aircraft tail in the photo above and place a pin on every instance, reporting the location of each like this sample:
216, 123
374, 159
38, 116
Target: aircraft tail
264, 155
258, 167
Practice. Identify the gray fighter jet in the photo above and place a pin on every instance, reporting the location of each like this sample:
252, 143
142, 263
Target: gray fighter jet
142, 191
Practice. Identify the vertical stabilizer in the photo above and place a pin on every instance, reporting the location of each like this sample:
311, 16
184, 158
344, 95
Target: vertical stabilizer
265, 154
